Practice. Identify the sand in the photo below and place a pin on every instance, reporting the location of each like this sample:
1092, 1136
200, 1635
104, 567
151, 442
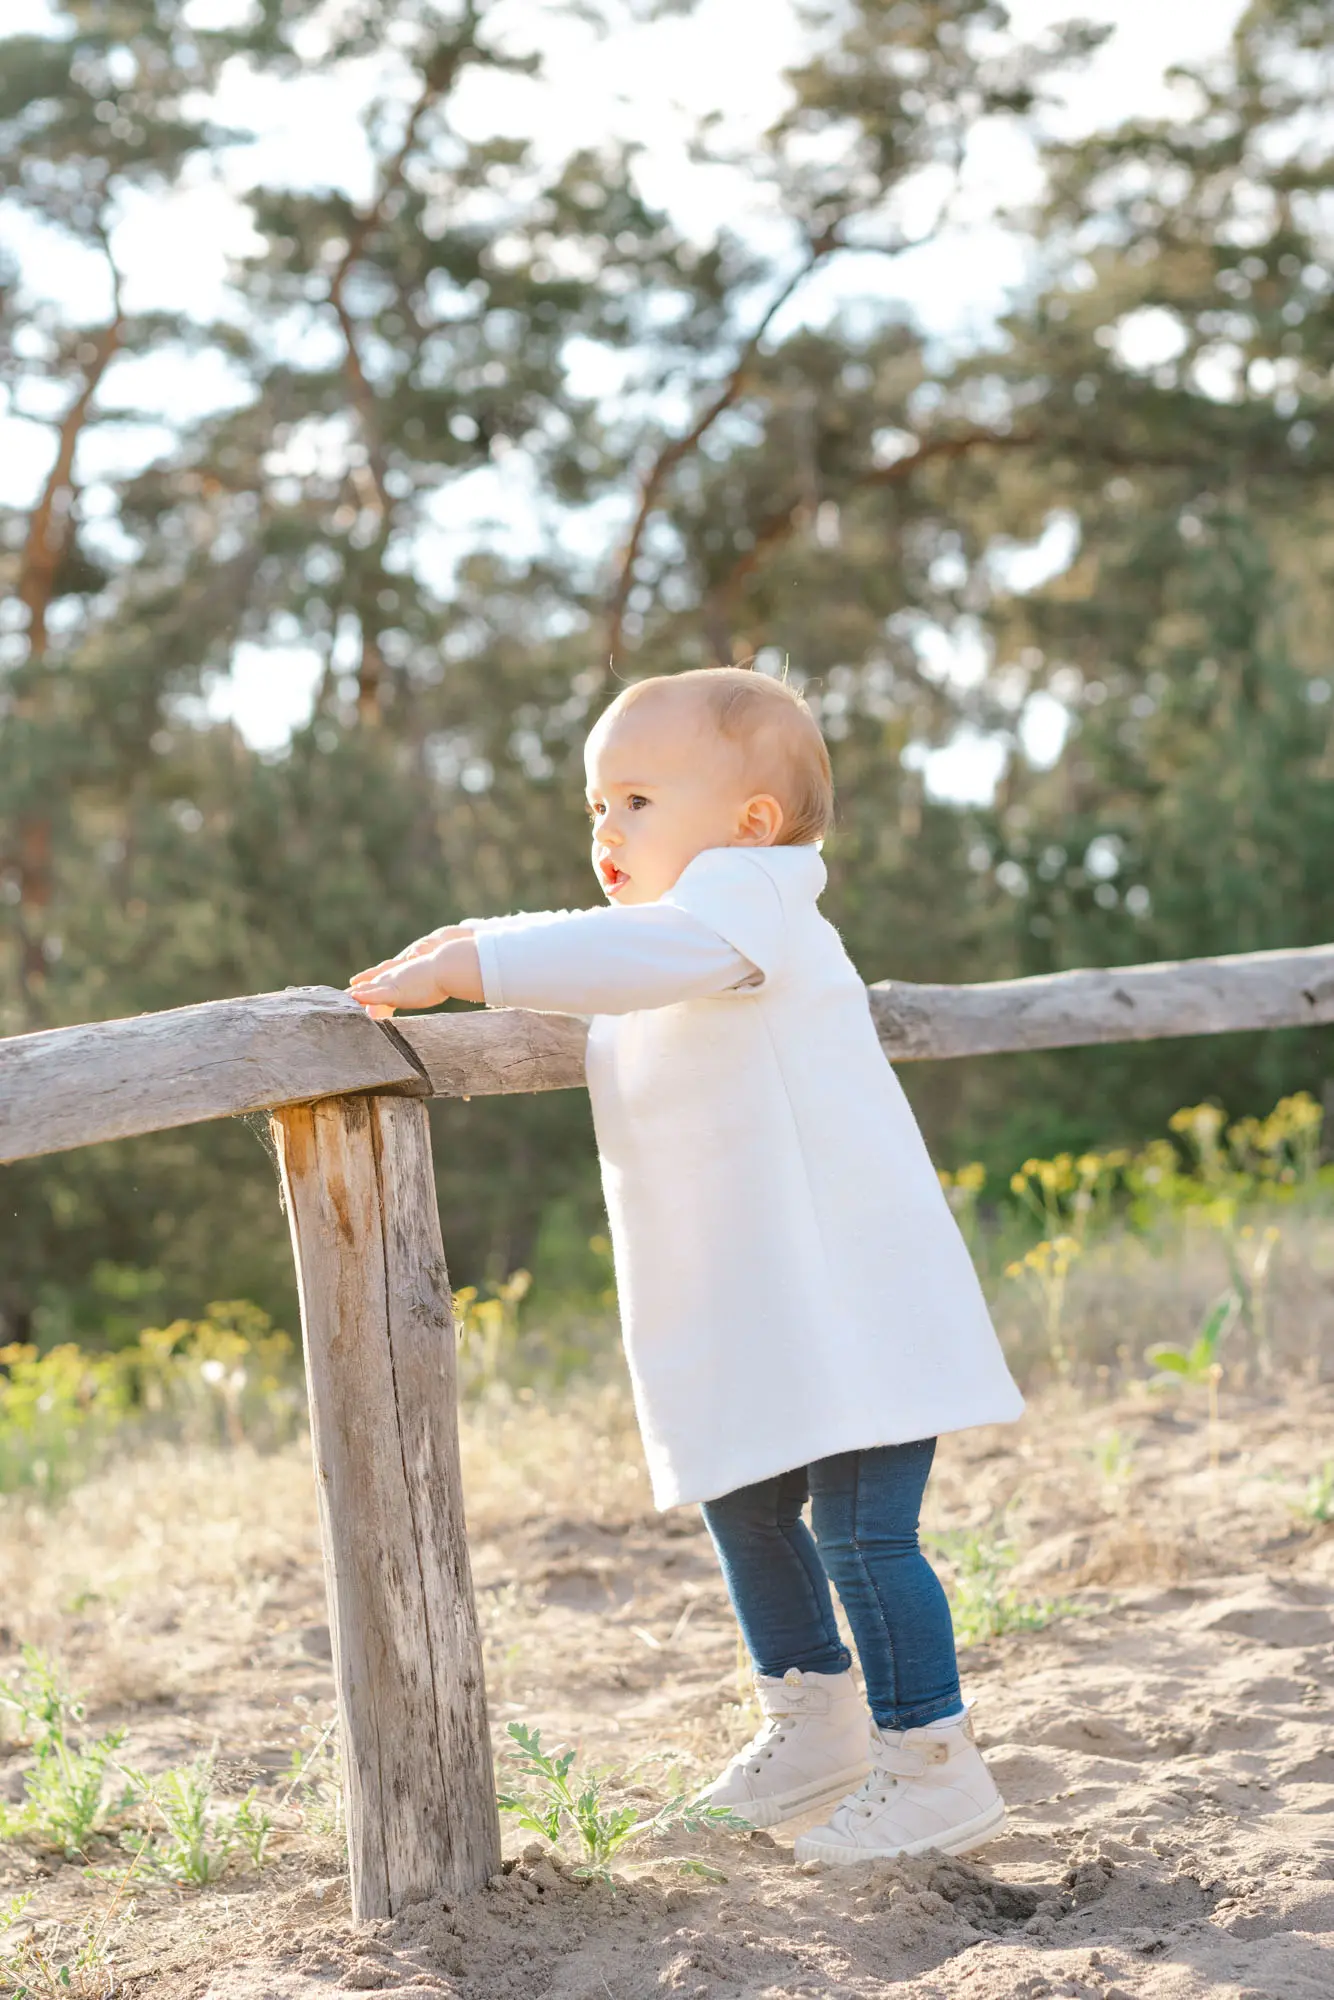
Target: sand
1164, 1744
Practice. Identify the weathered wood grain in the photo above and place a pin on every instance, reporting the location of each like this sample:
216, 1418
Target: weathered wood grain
380, 1367
111, 1079
497, 1053
1136, 1003
72, 1086
474, 1055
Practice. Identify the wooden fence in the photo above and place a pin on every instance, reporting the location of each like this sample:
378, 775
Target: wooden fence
346, 1096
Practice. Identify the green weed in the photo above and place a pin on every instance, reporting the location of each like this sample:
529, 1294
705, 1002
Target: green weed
67, 1795
185, 1835
1199, 1363
190, 1845
252, 1827
555, 1801
983, 1606
72, 1795
1114, 1457
1317, 1503
1196, 1363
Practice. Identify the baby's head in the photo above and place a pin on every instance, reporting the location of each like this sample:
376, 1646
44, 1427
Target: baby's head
715, 757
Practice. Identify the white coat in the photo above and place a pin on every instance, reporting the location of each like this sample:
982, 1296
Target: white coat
792, 1281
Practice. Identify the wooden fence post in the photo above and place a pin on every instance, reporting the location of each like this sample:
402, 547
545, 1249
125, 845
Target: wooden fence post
380, 1363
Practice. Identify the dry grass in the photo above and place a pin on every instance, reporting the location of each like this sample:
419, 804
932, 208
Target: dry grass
182, 1591
1150, 1588
1129, 1291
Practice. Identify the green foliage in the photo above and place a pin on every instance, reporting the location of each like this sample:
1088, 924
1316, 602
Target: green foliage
1199, 1362
553, 1800
230, 1376
856, 504
81, 1788
1113, 1457
982, 1604
69, 1794
182, 1834
251, 1828
1318, 1502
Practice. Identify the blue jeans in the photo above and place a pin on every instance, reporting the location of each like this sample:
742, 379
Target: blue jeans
865, 1507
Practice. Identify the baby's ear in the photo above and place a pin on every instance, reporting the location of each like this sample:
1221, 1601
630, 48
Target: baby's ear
761, 820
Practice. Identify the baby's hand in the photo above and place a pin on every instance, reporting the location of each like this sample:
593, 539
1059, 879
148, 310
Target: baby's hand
443, 966
417, 949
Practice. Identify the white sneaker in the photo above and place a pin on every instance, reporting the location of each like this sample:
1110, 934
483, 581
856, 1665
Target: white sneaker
928, 1788
812, 1748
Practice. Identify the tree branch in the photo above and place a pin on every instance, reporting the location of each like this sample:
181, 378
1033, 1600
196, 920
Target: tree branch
677, 448
48, 530
824, 245
363, 395
777, 526
437, 83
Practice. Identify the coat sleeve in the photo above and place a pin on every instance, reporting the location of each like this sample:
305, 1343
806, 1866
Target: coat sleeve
518, 919
733, 893
607, 961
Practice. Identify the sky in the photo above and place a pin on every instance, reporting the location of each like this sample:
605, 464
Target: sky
647, 82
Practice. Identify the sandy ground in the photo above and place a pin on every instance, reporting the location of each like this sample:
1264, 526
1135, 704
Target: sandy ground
1165, 1744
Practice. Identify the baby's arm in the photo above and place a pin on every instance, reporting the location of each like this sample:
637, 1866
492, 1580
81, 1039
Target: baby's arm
432, 969
608, 961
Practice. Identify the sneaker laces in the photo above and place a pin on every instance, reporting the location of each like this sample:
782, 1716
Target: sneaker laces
761, 1744
774, 1729
892, 1764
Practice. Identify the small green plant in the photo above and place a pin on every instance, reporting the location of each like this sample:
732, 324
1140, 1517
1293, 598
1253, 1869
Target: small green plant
68, 1962
984, 1607
71, 1793
252, 1827
188, 1840
1199, 1363
1317, 1504
66, 1795
1114, 1457
555, 1801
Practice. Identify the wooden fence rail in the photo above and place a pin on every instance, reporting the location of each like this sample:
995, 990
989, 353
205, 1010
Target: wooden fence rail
354, 1150
69, 1087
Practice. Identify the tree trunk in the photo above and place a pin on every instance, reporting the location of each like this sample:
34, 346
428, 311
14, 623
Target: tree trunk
379, 1336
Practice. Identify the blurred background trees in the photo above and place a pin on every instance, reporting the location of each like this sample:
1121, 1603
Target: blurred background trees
1100, 539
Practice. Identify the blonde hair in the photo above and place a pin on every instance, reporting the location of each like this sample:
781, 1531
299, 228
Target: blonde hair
772, 719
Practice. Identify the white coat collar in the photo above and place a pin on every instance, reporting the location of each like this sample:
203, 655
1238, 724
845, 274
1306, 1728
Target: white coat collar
798, 871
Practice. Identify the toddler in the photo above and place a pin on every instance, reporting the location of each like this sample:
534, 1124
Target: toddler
800, 1314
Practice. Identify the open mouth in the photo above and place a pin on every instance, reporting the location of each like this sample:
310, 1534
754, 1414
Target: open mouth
613, 878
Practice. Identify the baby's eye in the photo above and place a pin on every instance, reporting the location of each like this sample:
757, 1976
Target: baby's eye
593, 812
636, 800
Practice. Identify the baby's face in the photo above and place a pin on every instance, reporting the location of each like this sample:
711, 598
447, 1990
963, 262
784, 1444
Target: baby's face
662, 787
